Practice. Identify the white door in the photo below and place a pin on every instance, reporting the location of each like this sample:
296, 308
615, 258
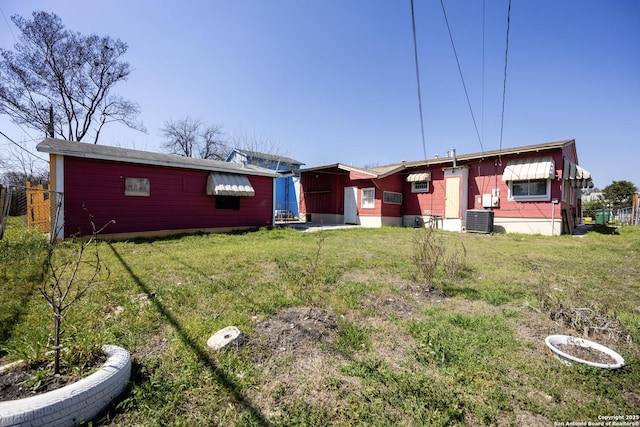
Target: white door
351, 205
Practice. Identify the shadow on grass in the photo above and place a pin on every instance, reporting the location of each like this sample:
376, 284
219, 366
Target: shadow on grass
202, 355
17, 311
178, 236
604, 229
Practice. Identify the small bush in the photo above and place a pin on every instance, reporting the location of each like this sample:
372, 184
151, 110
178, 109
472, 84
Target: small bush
428, 250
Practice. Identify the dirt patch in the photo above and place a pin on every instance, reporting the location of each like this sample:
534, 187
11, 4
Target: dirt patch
586, 353
26, 380
296, 329
299, 360
155, 347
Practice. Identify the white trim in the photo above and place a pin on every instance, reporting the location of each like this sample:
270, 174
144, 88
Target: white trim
59, 232
542, 226
420, 190
535, 198
362, 200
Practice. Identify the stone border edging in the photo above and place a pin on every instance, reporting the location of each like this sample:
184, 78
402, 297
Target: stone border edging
74, 403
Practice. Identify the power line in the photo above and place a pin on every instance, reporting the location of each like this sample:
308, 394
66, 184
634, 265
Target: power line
22, 148
484, 9
504, 82
466, 93
415, 54
8, 25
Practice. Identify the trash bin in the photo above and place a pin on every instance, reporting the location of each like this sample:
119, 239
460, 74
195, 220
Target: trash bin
602, 218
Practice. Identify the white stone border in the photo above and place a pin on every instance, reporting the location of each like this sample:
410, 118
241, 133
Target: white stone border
76, 403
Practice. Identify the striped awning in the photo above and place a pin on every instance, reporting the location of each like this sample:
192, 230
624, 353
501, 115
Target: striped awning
419, 176
569, 170
527, 169
228, 184
578, 176
583, 178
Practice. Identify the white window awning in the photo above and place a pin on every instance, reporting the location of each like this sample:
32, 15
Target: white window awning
569, 170
583, 178
419, 176
228, 184
578, 176
528, 169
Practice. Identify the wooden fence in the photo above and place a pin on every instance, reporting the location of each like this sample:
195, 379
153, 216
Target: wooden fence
39, 207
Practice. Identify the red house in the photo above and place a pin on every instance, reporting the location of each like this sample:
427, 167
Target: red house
153, 194
533, 189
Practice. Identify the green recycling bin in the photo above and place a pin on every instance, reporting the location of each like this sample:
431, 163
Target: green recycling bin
603, 219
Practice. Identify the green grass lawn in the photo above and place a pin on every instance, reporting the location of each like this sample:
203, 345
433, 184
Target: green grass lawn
342, 330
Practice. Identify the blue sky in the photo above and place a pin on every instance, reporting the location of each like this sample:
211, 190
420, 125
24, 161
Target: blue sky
334, 80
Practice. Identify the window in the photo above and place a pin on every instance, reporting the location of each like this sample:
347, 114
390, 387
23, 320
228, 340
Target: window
228, 202
393, 198
530, 190
420, 187
137, 187
368, 198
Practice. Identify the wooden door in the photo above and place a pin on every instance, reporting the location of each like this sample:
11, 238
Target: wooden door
452, 198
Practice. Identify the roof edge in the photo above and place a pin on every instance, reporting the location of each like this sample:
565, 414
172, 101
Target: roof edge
128, 155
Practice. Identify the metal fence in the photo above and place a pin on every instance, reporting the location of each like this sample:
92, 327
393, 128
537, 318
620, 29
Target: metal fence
36, 205
628, 216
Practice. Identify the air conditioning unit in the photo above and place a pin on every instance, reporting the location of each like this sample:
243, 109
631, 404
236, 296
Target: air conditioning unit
479, 221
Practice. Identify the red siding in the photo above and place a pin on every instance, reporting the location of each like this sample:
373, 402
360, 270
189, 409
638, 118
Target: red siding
426, 203
323, 191
177, 201
391, 183
483, 177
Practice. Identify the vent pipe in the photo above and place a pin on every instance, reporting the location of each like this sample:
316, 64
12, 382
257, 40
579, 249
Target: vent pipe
453, 154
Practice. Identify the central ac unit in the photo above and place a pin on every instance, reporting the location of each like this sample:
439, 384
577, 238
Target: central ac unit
479, 221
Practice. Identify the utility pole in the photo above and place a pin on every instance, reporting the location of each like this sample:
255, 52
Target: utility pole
50, 125
49, 132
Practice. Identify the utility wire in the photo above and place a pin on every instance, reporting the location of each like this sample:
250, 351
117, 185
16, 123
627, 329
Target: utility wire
22, 148
504, 83
461, 77
8, 25
484, 9
415, 54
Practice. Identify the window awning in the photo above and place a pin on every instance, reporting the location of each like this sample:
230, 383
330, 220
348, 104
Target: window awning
527, 169
578, 176
228, 184
419, 176
569, 170
583, 178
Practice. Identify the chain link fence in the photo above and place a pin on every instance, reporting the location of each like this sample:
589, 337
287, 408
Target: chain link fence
37, 207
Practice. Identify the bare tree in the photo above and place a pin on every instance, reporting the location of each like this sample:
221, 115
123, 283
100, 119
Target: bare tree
186, 138
214, 145
71, 269
181, 136
61, 81
21, 168
257, 144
